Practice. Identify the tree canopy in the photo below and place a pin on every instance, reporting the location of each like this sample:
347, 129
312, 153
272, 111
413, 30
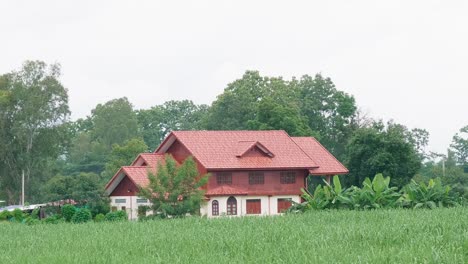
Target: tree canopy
176, 189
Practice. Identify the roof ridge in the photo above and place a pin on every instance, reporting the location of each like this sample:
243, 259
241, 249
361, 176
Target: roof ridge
303, 151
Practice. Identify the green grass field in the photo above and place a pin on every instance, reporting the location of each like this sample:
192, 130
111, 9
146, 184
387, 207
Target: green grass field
393, 236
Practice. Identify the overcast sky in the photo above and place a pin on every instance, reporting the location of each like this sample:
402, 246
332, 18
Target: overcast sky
402, 60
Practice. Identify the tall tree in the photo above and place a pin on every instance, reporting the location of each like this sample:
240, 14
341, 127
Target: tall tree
460, 146
35, 108
382, 149
176, 190
114, 122
123, 156
330, 112
155, 123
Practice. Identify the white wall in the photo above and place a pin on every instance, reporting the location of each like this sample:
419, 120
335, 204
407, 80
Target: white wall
130, 204
269, 204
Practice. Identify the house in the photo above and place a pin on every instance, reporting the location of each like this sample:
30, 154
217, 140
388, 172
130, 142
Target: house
252, 172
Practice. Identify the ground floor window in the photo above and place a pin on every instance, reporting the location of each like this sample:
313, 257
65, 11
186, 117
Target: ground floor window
231, 206
114, 208
215, 208
254, 206
284, 204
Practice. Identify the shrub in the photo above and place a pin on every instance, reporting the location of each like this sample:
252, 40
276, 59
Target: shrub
432, 195
374, 194
82, 215
5, 215
17, 216
100, 218
116, 216
68, 211
54, 219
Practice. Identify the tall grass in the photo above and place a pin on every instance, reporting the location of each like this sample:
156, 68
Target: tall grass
379, 236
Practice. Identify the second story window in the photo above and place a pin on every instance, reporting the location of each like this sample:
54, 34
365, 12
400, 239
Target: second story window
256, 177
223, 178
288, 177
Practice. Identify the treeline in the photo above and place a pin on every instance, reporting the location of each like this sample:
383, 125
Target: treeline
64, 159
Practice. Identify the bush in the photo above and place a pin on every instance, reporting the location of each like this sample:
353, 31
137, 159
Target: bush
82, 215
432, 195
116, 216
100, 218
54, 219
5, 215
17, 216
377, 194
68, 211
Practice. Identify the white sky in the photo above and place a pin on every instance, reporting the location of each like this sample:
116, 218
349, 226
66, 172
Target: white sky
406, 60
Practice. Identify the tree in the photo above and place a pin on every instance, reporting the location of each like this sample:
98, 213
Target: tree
311, 106
83, 188
158, 121
176, 190
382, 149
114, 122
274, 116
33, 113
330, 112
460, 146
123, 156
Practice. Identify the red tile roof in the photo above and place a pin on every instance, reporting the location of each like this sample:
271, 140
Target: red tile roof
328, 164
225, 190
152, 159
219, 149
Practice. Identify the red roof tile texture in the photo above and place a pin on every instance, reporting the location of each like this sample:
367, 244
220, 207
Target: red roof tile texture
220, 149
328, 164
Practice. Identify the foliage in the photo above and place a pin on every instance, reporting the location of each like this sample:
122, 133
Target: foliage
460, 146
5, 215
175, 190
68, 211
123, 156
376, 194
432, 195
83, 188
33, 111
54, 219
382, 149
158, 121
82, 215
338, 236
311, 106
116, 216
114, 122
99, 218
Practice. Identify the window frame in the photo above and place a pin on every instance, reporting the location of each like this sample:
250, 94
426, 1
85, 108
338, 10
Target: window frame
215, 208
288, 177
231, 206
256, 178
249, 212
223, 178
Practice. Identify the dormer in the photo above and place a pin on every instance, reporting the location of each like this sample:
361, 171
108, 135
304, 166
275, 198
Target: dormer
252, 148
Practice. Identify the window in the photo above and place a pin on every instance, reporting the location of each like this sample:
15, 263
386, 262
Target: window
231, 206
254, 206
215, 207
114, 208
123, 208
142, 200
284, 204
256, 177
223, 178
288, 177
120, 200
